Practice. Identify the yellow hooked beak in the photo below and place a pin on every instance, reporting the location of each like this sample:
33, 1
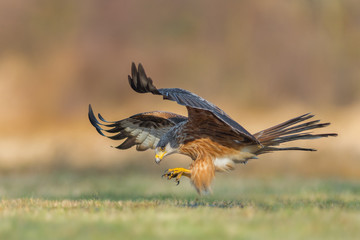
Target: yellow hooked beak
159, 156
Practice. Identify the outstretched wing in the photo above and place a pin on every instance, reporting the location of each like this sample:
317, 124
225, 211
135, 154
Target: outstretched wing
143, 84
143, 130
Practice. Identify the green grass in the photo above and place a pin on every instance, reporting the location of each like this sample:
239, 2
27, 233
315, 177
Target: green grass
95, 205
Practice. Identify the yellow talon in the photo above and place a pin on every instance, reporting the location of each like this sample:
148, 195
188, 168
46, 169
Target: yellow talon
178, 170
177, 173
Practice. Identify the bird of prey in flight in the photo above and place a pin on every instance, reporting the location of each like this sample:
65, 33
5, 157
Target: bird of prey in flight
213, 140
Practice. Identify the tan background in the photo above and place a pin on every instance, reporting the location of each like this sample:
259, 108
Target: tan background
262, 62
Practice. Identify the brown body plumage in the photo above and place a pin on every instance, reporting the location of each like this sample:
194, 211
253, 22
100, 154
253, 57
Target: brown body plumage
213, 140
204, 151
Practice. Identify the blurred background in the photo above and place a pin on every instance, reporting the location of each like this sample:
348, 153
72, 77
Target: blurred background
262, 62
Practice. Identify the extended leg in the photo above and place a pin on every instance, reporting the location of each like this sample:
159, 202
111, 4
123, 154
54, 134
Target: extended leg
177, 173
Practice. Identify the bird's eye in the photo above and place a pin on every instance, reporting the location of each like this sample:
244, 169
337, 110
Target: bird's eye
162, 149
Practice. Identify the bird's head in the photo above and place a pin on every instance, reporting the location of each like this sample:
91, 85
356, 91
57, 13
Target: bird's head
166, 146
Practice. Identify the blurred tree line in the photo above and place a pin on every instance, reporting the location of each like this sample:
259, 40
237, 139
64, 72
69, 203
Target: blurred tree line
58, 56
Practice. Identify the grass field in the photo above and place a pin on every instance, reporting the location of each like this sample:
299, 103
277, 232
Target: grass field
119, 205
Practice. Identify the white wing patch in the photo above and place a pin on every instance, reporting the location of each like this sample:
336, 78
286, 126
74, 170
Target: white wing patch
134, 132
142, 136
145, 138
149, 141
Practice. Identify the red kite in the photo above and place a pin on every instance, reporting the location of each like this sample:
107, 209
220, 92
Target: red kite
213, 140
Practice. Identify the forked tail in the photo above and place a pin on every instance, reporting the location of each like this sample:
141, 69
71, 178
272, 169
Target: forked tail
288, 131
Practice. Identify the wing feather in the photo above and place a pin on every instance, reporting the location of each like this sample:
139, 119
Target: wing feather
142, 130
143, 84
140, 137
128, 143
149, 141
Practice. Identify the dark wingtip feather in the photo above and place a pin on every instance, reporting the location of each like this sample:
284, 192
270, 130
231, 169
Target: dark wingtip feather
94, 121
119, 136
330, 135
92, 117
131, 83
143, 81
128, 143
139, 82
103, 119
134, 74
